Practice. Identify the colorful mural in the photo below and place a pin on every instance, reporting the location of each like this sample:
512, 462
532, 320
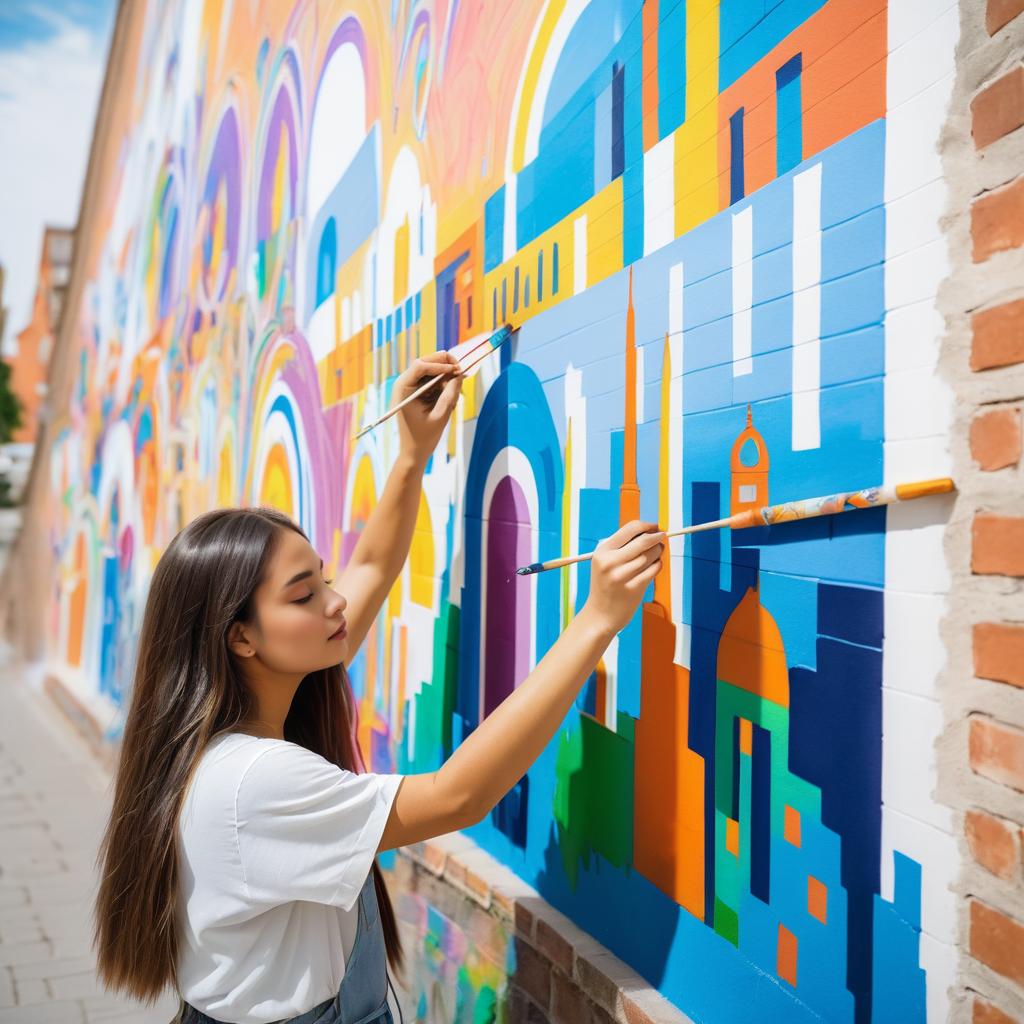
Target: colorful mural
697, 210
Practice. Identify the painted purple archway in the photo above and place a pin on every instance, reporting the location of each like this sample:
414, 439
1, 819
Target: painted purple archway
507, 631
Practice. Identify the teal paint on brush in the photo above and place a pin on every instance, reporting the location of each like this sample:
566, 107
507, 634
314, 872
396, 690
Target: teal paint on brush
434, 383
526, 570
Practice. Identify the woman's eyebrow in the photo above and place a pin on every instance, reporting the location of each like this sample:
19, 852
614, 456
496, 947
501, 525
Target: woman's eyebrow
301, 576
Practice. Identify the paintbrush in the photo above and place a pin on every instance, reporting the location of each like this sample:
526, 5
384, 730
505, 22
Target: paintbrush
495, 338
807, 508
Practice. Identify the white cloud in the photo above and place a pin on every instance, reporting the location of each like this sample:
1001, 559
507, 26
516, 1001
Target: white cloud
48, 95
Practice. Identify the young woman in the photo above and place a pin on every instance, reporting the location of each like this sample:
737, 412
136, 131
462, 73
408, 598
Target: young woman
238, 864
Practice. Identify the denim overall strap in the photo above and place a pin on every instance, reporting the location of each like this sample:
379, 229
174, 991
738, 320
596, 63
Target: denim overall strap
362, 997
363, 994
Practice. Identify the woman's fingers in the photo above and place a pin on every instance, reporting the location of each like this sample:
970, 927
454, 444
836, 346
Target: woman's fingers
447, 399
442, 366
640, 562
647, 539
437, 362
627, 532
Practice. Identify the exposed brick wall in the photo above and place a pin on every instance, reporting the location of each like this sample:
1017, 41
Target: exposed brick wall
994, 842
986, 1013
555, 971
983, 299
999, 108
999, 12
996, 437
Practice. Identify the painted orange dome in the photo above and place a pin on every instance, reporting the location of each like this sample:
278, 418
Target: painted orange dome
750, 653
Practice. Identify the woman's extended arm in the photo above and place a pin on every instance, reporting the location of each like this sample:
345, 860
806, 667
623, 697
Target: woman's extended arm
498, 752
383, 544
381, 550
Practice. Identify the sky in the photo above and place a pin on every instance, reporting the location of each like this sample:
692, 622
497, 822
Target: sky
52, 58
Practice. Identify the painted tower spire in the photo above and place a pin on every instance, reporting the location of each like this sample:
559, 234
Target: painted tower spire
629, 492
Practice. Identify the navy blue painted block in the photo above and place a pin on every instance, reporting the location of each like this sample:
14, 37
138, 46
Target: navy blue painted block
853, 614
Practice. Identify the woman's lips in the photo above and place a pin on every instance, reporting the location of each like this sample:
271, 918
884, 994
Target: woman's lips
341, 632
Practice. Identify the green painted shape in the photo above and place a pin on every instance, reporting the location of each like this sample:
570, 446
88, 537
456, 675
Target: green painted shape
593, 799
727, 923
625, 726
786, 788
485, 1008
732, 875
435, 703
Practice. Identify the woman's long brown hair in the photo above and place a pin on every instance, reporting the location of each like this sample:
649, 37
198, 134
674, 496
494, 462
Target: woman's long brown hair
187, 689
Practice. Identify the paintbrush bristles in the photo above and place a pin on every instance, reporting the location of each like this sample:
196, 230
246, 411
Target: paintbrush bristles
496, 338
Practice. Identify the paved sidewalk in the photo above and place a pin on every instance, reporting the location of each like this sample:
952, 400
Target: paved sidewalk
54, 802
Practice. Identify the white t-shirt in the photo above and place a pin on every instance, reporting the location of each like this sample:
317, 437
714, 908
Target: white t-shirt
275, 845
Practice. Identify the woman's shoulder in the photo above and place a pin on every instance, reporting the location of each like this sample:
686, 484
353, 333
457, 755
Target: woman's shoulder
287, 770
229, 756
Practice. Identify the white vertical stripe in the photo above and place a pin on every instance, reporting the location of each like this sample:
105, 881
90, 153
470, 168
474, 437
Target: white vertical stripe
659, 194
807, 309
742, 290
509, 240
611, 689
677, 545
579, 255
410, 732
576, 409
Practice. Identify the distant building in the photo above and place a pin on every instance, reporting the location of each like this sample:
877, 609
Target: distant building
29, 364
3, 308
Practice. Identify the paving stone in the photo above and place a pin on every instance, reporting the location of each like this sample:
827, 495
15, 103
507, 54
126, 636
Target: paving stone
64, 1011
54, 806
31, 992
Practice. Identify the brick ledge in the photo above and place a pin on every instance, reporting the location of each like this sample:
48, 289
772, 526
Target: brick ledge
605, 979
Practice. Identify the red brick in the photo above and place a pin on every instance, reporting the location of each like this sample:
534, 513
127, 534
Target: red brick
997, 544
998, 109
995, 438
598, 1015
999, 652
634, 1013
997, 220
479, 886
489, 936
996, 751
523, 919
998, 336
1000, 13
986, 1013
455, 871
594, 980
516, 1003
994, 843
504, 903
568, 1004
434, 857
997, 941
646, 1006
533, 974
554, 946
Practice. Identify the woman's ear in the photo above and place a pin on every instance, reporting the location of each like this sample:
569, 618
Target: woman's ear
238, 643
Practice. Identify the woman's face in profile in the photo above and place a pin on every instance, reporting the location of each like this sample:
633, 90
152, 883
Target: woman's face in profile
297, 612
